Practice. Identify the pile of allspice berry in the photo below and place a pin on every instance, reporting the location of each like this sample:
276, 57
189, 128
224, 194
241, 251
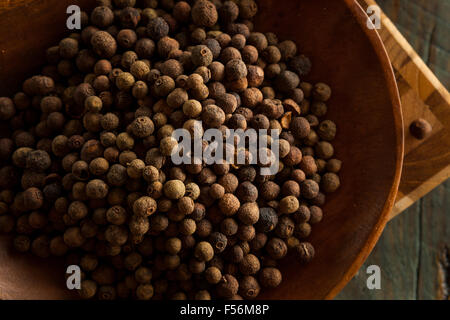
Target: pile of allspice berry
86, 172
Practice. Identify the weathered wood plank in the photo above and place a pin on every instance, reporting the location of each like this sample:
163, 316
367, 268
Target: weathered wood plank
434, 272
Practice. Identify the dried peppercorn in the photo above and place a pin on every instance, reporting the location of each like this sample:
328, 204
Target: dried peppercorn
229, 204
324, 150
204, 13
304, 252
249, 287
201, 56
204, 251
330, 182
213, 275
268, 220
276, 248
302, 230
227, 287
96, 189
270, 277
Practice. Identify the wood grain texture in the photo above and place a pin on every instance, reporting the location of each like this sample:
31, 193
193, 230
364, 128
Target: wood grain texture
417, 266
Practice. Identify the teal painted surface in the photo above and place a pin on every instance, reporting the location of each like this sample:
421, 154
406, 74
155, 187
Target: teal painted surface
413, 252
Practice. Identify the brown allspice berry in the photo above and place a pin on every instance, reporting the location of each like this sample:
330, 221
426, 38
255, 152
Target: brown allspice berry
305, 252
80, 170
173, 245
163, 86
33, 198
218, 242
269, 190
294, 157
7, 108
213, 275
302, 230
247, 192
420, 129
316, 214
103, 44
38, 160
227, 287
144, 206
182, 11
204, 251
117, 175
73, 237
116, 235
213, 116
288, 205
276, 248
138, 225
174, 189
96, 189
204, 13
324, 150
235, 69
201, 55
116, 215
228, 227
309, 189
229, 204
98, 166
249, 287
77, 210
185, 205
247, 9
330, 182
270, 277
142, 127
318, 108
285, 227
187, 227
157, 28
88, 289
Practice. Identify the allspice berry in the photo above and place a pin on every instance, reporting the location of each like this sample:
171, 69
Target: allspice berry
96, 189
204, 13
305, 252
144, 206
103, 44
270, 277
174, 189
288, 205
228, 286
229, 204
204, 251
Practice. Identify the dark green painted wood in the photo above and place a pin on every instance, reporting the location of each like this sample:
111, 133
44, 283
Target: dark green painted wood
413, 252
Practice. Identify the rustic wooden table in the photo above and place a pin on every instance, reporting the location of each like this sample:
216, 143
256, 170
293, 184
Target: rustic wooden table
414, 250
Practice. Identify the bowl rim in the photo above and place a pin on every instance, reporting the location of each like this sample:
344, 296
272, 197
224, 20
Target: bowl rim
374, 38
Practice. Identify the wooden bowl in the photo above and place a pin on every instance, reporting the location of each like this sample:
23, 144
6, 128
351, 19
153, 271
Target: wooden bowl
365, 105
